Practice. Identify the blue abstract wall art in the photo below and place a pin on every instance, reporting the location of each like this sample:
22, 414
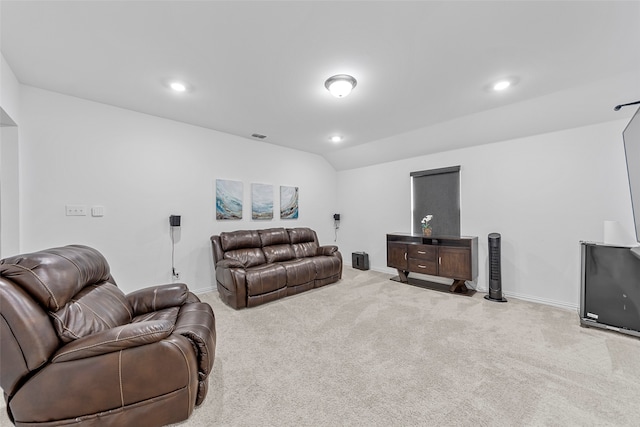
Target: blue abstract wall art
288, 202
228, 199
261, 201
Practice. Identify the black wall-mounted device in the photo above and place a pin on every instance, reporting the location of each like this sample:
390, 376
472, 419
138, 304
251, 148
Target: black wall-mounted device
174, 220
336, 217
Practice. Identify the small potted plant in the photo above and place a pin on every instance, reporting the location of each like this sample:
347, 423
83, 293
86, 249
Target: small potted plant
426, 226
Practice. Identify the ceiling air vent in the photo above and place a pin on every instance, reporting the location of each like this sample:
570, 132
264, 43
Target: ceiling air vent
259, 136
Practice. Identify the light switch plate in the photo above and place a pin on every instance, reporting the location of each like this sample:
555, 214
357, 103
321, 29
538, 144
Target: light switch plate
97, 211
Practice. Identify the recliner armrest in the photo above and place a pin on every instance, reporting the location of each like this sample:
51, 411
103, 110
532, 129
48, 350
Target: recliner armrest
327, 250
116, 339
158, 297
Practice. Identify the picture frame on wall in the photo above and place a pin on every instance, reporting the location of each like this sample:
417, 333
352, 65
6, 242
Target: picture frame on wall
288, 202
261, 202
228, 199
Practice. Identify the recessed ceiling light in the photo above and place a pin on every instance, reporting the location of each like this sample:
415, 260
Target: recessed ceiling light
178, 86
501, 85
340, 85
336, 138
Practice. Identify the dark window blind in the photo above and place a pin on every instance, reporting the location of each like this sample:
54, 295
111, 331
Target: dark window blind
437, 192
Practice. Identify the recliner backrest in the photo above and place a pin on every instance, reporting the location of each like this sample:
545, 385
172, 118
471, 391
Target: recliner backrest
275, 245
27, 335
50, 296
243, 246
304, 241
53, 276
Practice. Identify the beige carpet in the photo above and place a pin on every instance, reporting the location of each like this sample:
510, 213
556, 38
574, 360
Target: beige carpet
368, 351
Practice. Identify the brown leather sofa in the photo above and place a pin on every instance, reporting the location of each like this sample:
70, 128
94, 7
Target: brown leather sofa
76, 350
257, 266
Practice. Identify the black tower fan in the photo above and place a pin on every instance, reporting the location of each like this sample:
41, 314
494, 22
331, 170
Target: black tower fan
495, 279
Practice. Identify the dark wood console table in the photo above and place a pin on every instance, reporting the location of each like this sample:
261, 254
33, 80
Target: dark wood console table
451, 257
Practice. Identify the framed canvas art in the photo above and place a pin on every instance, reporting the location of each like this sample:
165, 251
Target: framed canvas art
228, 199
261, 201
288, 202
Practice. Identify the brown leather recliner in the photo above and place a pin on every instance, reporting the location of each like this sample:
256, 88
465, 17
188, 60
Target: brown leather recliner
76, 350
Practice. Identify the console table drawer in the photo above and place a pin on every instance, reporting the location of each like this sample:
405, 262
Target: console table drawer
423, 266
423, 252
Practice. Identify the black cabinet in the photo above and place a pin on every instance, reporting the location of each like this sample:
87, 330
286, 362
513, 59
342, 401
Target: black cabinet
610, 288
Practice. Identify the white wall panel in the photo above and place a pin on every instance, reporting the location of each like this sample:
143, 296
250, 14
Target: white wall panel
543, 194
142, 169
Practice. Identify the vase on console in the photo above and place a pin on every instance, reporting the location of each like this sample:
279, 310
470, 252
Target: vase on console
426, 227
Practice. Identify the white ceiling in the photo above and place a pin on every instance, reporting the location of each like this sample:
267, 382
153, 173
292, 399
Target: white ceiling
423, 67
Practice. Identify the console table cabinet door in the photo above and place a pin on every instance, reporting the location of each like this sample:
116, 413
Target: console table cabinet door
397, 255
454, 263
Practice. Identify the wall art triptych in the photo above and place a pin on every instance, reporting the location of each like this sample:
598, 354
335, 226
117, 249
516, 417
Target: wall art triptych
229, 197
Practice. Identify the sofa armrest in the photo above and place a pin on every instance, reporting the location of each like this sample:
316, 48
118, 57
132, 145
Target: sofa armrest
231, 281
158, 297
327, 250
116, 339
229, 263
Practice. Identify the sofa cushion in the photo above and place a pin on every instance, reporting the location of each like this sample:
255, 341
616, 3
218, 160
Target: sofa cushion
301, 235
95, 308
299, 271
278, 253
239, 240
248, 257
265, 278
274, 236
303, 241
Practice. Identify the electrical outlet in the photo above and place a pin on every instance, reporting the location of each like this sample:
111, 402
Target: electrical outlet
76, 210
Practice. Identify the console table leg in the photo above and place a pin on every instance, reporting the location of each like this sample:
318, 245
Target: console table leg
458, 286
403, 275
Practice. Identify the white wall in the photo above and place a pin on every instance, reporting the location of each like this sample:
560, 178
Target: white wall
9, 178
10, 93
9, 192
142, 169
543, 194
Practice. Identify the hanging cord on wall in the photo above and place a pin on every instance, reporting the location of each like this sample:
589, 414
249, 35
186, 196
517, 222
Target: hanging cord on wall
174, 223
336, 226
173, 250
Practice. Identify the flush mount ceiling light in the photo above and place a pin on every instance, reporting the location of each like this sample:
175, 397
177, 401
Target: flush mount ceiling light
178, 86
336, 138
340, 85
501, 85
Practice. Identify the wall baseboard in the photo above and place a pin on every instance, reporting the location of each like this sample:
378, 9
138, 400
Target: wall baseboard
559, 304
201, 291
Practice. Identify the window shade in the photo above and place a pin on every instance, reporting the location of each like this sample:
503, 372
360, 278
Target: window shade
437, 192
